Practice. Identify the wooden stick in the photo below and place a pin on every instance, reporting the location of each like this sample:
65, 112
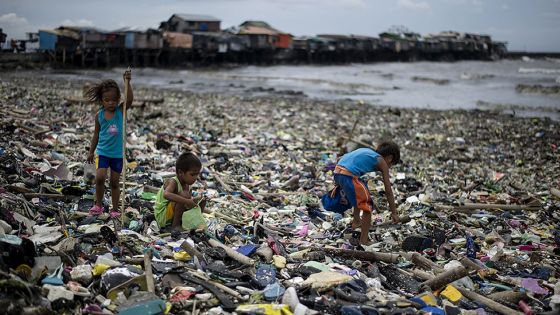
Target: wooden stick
219, 286
423, 262
192, 251
446, 278
231, 253
421, 274
125, 166
148, 272
228, 218
502, 309
511, 297
361, 255
469, 264
221, 182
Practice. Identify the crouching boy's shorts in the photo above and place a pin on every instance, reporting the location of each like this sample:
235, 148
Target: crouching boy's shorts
349, 191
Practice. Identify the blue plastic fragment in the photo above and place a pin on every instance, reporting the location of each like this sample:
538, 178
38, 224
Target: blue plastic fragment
418, 301
152, 307
248, 249
433, 310
265, 275
273, 292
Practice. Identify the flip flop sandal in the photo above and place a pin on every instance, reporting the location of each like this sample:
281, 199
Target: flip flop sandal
96, 210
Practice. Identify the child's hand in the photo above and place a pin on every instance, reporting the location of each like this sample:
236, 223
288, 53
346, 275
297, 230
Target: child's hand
90, 158
127, 76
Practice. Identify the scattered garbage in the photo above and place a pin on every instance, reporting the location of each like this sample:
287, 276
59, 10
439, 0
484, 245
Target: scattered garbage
477, 193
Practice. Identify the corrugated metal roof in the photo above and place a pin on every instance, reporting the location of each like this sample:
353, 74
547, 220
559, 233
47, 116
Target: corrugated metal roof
334, 36
63, 32
197, 17
255, 30
262, 24
135, 29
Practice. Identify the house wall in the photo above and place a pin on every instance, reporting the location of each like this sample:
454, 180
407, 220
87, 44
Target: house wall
47, 40
178, 40
283, 41
135, 40
179, 25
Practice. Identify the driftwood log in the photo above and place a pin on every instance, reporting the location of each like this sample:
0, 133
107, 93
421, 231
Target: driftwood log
231, 253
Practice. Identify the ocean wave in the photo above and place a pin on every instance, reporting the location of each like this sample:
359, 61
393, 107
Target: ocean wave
539, 70
555, 60
538, 89
476, 76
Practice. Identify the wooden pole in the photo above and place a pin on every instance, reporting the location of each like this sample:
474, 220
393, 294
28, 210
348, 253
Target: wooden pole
233, 254
361, 255
502, 309
446, 278
148, 272
125, 166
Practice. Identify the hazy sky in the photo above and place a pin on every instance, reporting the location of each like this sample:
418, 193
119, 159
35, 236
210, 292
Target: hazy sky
532, 25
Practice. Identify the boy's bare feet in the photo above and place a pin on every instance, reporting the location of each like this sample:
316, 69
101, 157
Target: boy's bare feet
364, 239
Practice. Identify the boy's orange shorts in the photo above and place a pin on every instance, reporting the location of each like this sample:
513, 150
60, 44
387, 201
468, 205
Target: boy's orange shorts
350, 191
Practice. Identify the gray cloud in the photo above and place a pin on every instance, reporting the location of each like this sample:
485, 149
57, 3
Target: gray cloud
413, 5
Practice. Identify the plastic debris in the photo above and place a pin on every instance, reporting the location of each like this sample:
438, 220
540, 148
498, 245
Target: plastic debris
477, 195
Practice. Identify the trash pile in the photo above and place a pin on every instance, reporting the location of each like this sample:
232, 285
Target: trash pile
478, 195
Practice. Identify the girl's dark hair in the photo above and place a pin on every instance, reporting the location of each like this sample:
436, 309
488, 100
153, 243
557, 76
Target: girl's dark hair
386, 148
95, 93
187, 161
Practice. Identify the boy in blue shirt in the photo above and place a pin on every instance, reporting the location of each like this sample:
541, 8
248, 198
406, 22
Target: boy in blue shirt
351, 191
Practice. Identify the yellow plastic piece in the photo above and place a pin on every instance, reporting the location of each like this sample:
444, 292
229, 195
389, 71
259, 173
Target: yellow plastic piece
99, 269
451, 294
267, 309
182, 256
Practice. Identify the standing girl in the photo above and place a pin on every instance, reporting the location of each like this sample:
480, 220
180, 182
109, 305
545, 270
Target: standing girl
107, 139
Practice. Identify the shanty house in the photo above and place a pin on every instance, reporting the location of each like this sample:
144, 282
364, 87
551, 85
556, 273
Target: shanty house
188, 23
178, 40
219, 42
262, 35
91, 37
341, 42
51, 40
141, 39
